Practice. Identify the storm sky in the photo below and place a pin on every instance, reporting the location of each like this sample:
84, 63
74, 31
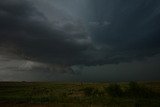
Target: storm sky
79, 40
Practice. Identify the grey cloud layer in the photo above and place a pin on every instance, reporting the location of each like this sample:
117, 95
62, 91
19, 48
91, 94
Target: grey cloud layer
37, 38
134, 29
126, 31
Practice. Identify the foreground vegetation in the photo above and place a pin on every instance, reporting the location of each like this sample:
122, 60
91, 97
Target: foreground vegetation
132, 94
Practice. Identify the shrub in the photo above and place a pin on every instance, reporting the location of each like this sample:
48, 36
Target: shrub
114, 90
136, 90
133, 89
90, 91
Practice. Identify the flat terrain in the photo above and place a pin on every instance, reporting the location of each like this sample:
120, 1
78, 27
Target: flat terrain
50, 94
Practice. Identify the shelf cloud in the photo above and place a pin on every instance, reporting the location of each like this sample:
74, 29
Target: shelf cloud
59, 34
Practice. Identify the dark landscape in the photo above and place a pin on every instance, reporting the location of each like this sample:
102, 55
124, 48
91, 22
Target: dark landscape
50, 94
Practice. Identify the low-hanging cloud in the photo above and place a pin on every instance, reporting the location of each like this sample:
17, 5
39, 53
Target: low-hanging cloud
37, 38
32, 32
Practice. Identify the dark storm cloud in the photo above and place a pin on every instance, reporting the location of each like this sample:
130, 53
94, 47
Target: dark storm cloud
134, 29
36, 38
120, 31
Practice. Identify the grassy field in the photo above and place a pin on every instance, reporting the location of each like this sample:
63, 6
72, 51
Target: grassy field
131, 94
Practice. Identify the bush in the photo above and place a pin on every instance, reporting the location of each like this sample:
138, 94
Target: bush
114, 90
140, 91
90, 91
134, 90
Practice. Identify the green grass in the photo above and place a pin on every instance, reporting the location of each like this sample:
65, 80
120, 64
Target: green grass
145, 94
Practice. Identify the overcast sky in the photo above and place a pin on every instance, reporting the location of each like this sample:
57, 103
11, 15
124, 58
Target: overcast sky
79, 40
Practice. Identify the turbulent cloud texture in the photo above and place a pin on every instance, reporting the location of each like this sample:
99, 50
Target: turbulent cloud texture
78, 32
37, 38
134, 29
